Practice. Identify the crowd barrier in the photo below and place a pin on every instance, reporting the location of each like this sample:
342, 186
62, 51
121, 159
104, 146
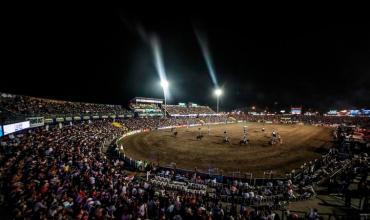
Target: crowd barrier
285, 215
218, 176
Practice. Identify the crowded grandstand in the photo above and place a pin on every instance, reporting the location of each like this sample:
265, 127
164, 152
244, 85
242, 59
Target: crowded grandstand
61, 160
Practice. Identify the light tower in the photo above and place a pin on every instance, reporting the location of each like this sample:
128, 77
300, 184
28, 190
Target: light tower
164, 84
218, 93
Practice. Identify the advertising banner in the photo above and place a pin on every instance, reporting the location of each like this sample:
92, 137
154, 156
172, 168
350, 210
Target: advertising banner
296, 111
354, 112
365, 112
11, 128
59, 119
48, 120
36, 121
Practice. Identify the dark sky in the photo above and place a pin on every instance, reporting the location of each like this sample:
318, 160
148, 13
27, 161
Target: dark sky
97, 55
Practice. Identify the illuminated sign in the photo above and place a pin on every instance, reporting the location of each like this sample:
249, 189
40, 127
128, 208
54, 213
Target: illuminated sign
354, 112
149, 101
36, 121
49, 120
365, 111
11, 128
59, 119
296, 111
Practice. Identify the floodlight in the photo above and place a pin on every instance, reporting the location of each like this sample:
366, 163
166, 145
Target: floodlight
218, 92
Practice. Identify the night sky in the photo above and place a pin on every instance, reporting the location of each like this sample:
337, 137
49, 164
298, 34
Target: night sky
269, 61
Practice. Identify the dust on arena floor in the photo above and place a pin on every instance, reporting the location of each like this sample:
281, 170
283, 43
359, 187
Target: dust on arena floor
301, 143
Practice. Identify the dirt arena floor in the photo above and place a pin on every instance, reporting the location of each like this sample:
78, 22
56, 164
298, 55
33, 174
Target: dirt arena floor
301, 143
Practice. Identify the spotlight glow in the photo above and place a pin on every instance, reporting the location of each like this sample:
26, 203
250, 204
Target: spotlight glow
164, 84
218, 92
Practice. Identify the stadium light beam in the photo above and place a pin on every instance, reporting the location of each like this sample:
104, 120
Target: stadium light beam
207, 56
158, 62
164, 84
218, 93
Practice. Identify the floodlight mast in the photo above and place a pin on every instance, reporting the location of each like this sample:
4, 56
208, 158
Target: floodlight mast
218, 93
164, 84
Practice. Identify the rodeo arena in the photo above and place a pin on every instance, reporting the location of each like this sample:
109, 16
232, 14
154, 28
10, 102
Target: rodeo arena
72, 160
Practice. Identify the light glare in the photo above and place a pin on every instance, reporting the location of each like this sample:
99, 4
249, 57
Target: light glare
164, 84
218, 92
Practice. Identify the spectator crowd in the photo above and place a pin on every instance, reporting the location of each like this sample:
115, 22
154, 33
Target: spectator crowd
31, 106
191, 110
64, 172
306, 119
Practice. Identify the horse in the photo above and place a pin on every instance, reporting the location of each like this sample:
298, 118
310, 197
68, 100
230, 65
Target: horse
227, 140
243, 142
199, 137
273, 141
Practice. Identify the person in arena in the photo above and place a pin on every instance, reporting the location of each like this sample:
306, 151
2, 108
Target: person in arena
175, 132
226, 137
200, 135
274, 133
244, 140
280, 139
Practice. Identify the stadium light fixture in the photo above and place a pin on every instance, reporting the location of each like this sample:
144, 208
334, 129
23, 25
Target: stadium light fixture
218, 93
